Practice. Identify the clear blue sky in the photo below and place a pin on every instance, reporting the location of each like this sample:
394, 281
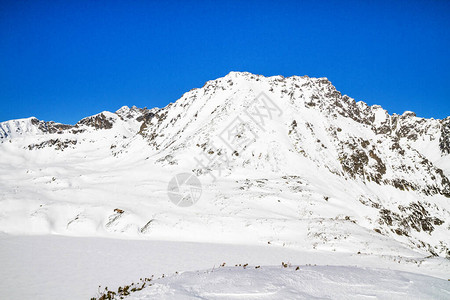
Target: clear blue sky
64, 60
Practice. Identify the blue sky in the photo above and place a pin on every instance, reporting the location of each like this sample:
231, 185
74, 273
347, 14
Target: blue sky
64, 60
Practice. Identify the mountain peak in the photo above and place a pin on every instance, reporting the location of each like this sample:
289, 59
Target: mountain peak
409, 114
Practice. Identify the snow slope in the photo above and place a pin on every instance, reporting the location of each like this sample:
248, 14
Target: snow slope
307, 282
285, 162
60, 267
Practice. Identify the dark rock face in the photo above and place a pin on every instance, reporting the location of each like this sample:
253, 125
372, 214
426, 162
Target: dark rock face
363, 160
50, 127
354, 164
359, 160
145, 117
136, 113
444, 141
56, 143
407, 219
99, 121
102, 121
415, 216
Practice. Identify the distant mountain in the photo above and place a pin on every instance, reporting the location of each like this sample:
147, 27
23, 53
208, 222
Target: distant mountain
285, 161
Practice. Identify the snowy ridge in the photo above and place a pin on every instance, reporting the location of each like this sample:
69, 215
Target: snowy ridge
323, 172
16, 128
305, 282
115, 263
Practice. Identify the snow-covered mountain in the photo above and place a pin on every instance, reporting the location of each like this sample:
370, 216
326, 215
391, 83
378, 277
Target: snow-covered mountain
282, 161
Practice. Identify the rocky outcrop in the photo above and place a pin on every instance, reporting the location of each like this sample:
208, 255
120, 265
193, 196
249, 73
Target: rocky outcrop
50, 127
99, 121
444, 140
57, 144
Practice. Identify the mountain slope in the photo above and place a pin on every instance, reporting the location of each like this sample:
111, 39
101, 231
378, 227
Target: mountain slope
287, 161
303, 283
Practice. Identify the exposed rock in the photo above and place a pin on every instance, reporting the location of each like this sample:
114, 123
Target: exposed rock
50, 127
99, 121
56, 143
444, 140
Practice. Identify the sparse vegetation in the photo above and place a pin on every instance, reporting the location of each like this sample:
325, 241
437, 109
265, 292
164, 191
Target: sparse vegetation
125, 290
122, 291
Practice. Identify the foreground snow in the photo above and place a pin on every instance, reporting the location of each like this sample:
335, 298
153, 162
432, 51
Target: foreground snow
307, 282
59, 267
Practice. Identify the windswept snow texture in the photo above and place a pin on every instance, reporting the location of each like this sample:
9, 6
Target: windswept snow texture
58, 267
308, 282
